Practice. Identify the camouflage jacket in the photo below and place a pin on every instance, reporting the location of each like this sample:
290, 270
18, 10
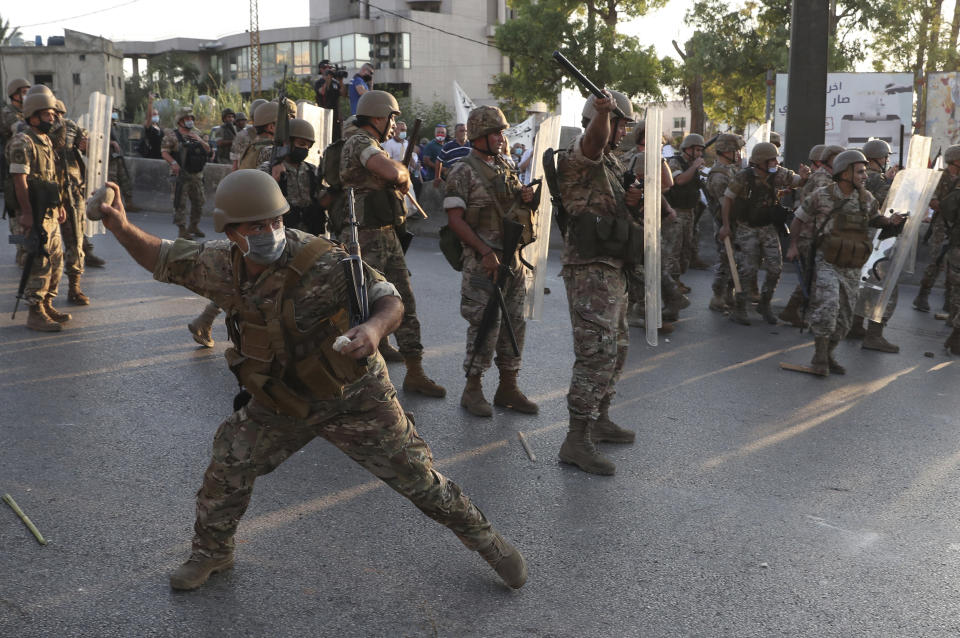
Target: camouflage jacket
357, 151
739, 186
818, 179
718, 179
10, 115
297, 185
818, 208
30, 153
242, 140
66, 144
877, 184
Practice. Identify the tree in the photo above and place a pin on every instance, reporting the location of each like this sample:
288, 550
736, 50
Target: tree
585, 32
7, 33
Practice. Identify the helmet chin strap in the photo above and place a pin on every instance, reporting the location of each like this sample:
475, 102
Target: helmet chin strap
614, 126
487, 150
382, 135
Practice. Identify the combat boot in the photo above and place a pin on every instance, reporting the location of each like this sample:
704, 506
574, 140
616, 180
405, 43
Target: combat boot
856, 328
832, 363
729, 297
669, 313
38, 320
184, 233
717, 304
739, 314
754, 289
472, 398
578, 449
197, 570
791, 312
952, 343
75, 295
606, 431
820, 364
682, 287
195, 230
201, 327
874, 339
388, 352
635, 315
418, 381
53, 313
92, 261
665, 328
763, 308
921, 303
506, 560
508, 395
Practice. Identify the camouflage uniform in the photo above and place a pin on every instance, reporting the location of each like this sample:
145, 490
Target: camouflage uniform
378, 238
366, 421
950, 215
30, 153
299, 184
759, 246
192, 184
66, 143
678, 251
879, 186
717, 181
833, 296
241, 142
10, 116
938, 236
466, 188
596, 286
257, 151
227, 134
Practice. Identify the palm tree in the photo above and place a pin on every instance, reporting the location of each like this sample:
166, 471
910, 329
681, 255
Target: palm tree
7, 33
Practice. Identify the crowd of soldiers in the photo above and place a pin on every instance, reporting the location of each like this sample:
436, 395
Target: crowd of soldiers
306, 341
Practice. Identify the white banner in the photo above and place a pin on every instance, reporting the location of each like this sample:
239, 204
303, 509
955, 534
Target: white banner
462, 103
524, 132
860, 107
943, 110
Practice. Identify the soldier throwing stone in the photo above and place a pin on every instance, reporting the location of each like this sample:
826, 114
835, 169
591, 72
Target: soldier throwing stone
301, 386
481, 192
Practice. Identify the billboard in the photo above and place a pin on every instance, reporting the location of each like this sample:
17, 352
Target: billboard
860, 106
943, 110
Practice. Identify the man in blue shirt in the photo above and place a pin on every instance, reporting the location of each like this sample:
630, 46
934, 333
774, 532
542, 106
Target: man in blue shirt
457, 148
362, 82
431, 152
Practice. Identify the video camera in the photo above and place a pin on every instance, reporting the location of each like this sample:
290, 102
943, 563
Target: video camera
337, 70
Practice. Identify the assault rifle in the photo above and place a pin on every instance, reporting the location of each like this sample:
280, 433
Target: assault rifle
43, 195
404, 235
281, 129
353, 265
511, 242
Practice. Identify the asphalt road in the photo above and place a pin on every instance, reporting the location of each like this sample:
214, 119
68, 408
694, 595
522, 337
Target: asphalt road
756, 501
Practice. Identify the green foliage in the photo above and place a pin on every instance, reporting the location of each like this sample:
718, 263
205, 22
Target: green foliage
7, 32
431, 114
585, 32
296, 90
207, 99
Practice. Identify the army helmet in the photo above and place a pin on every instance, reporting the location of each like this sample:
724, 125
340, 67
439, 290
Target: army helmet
247, 195
227, 111
621, 100
728, 143
256, 104
302, 129
763, 152
266, 113
829, 151
775, 139
40, 88
15, 85
484, 120
876, 149
38, 102
693, 139
377, 104
952, 154
184, 112
240, 116
60, 107
814, 155
846, 159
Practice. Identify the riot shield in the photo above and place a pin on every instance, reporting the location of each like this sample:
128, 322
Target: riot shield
651, 223
536, 254
320, 119
759, 134
97, 123
909, 194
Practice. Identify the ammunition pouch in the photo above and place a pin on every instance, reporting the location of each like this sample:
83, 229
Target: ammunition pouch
44, 195
451, 247
382, 208
601, 236
848, 244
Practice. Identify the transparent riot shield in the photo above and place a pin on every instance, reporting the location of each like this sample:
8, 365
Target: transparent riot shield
97, 122
321, 120
548, 136
651, 223
910, 195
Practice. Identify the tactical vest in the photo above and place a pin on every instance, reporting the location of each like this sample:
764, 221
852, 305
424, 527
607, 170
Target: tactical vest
754, 208
505, 188
251, 157
686, 195
848, 244
282, 366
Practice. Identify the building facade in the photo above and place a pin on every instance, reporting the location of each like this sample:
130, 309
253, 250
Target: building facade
73, 66
409, 42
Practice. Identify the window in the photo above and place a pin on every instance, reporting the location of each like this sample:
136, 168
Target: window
284, 56
83, 57
43, 78
302, 63
680, 122
76, 79
393, 50
362, 46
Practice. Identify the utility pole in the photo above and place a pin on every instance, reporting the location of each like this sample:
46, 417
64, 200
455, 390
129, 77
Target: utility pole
807, 84
254, 52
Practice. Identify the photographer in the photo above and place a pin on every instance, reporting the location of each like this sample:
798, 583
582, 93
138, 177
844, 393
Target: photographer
329, 89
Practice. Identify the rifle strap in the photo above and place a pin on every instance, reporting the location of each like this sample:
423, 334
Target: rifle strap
305, 258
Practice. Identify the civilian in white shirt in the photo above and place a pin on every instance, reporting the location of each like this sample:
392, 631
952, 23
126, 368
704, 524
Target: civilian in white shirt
396, 146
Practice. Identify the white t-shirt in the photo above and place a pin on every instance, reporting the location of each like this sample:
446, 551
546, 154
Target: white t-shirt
395, 149
525, 177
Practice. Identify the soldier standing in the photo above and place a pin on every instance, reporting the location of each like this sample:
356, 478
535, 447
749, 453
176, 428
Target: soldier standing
379, 185
950, 214
264, 124
683, 197
69, 142
298, 382
752, 200
186, 153
727, 165
949, 181
841, 215
244, 135
481, 193
10, 116
33, 173
299, 182
590, 179
226, 134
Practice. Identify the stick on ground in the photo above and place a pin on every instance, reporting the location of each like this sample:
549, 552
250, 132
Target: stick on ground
23, 517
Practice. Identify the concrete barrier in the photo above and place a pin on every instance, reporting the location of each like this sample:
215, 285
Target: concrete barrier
153, 184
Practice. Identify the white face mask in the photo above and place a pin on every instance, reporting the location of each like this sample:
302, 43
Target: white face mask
402, 135
155, 119
773, 169
263, 248
188, 124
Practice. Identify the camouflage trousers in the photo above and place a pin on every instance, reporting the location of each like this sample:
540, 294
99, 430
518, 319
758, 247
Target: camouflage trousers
671, 231
683, 247
381, 249
952, 260
475, 291
757, 248
721, 278
597, 297
16, 229
833, 299
937, 244
191, 190
45, 273
368, 425
117, 173
803, 255
637, 285
71, 232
